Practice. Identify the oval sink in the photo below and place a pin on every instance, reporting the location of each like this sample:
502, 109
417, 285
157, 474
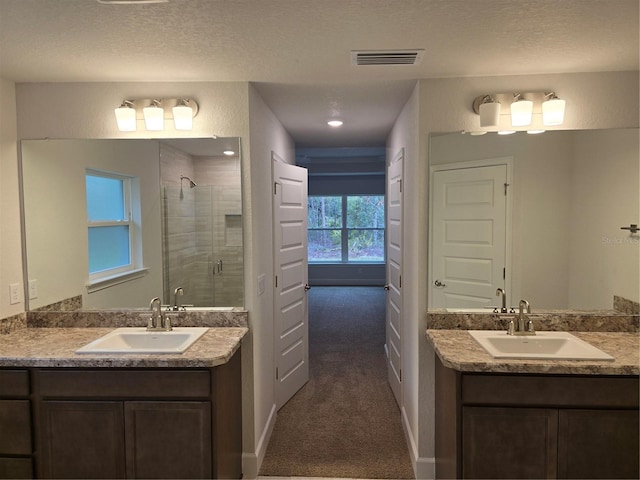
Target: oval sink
542, 345
139, 340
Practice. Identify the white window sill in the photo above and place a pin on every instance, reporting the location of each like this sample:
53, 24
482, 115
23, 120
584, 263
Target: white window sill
106, 282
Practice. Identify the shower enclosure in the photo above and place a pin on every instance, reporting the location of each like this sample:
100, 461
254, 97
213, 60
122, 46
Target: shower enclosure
202, 244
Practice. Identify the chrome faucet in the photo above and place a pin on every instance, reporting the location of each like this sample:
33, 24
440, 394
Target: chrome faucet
499, 292
157, 320
177, 303
522, 325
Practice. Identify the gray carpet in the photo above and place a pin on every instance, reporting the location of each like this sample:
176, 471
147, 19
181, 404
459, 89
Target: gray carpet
344, 422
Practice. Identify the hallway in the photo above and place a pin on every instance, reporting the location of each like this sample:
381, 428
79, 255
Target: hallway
344, 422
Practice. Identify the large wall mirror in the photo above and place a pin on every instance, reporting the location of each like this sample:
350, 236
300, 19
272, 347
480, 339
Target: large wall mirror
183, 204
555, 238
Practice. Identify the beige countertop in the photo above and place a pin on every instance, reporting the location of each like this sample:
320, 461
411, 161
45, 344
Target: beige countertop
459, 351
55, 347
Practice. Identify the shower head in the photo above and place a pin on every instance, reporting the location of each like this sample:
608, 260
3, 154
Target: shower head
191, 182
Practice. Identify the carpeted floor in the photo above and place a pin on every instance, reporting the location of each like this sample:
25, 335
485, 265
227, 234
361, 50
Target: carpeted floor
344, 422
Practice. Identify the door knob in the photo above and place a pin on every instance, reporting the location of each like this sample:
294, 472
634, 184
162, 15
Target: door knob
307, 287
438, 283
386, 287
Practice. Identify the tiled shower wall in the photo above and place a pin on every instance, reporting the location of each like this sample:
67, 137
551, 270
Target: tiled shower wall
198, 222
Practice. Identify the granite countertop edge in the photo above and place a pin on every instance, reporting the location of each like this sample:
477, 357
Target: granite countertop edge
457, 350
55, 347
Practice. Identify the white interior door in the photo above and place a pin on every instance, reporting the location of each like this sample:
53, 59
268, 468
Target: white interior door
393, 345
291, 276
469, 236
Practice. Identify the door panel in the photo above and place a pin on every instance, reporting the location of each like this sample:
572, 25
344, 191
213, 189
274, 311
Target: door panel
290, 265
394, 275
469, 236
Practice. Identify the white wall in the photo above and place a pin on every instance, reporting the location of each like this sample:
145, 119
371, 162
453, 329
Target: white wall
10, 237
605, 197
594, 101
405, 136
267, 136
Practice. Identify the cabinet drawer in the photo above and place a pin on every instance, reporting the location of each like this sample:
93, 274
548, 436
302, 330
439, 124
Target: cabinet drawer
550, 391
16, 468
15, 427
127, 383
14, 383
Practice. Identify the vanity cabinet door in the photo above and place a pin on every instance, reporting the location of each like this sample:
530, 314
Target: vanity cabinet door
509, 442
168, 439
598, 444
81, 440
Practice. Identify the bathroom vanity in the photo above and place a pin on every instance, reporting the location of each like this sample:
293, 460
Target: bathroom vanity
500, 418
64, 415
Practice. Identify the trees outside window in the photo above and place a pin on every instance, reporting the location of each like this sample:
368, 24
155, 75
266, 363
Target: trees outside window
346, 228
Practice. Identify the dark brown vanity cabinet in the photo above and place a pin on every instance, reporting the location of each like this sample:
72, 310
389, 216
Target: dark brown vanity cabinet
139, 423
15, 425
535, 426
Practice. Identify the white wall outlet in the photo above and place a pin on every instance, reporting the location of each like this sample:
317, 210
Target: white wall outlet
14, 293
261, 283
33, 289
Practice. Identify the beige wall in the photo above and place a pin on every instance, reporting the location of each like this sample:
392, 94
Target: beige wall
594, 101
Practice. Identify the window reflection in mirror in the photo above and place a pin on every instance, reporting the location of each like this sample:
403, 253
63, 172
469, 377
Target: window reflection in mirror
189, 237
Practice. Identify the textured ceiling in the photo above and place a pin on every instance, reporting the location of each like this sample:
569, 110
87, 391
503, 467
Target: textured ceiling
298, 51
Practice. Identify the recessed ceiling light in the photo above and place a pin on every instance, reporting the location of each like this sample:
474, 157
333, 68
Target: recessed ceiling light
335, 123
229, 153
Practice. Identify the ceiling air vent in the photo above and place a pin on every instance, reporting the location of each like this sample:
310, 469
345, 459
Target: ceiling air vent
386, 57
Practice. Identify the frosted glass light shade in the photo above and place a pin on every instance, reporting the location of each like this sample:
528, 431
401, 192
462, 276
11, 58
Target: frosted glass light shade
153, 117
489, 114
126, 118
521, 113
553, 111
182, 117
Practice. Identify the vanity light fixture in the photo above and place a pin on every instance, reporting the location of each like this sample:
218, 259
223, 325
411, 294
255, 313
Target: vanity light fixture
489, 111
521, 111
153, 116
535, 132
553, 110
182, 115
335, 123
506, 132
154, 112
126, 117
535, 109
229, 153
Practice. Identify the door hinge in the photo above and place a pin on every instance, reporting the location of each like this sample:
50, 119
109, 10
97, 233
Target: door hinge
276, 373
400, 182
275, 188
504, 273
506, 185
400, 282
276, 281
400, 375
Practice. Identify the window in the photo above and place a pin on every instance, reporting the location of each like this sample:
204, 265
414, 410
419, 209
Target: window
346, 228
110, 228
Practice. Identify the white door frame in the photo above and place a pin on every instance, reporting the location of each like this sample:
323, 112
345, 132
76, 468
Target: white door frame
489, 162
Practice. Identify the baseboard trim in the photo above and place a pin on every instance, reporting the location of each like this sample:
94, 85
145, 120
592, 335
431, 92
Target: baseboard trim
251, 462
423, 467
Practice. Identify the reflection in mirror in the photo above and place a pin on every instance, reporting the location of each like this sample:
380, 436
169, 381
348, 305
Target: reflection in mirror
191, 226
560, 241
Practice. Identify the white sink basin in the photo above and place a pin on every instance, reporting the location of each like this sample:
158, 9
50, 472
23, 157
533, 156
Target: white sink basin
138, 340
542, 345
